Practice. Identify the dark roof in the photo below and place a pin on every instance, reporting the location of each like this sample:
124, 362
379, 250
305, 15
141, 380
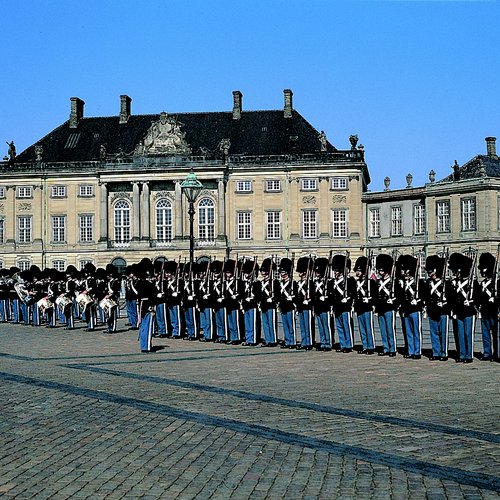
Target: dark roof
256, 133
474, 168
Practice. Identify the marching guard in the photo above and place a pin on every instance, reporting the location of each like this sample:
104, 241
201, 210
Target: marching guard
303, 302
286, 304
251, 296
268, 296
322, 303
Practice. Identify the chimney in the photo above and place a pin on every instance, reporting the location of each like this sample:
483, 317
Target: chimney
76, 112
288, 103
237, 95
124, 108
491, 148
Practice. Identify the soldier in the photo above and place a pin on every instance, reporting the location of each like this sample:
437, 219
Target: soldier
435, 297
321, 299
219, 306
4, 296
131, 296
232, 295
69, 292
464, 297
161, 312
250, 298
488, 306
173, 291
363, 303
342, 285
189, 301
147, 295
410, 304
385, 304
112, 297
89, 286
286, 305
302, 297
15, 303
205, 301
269, 287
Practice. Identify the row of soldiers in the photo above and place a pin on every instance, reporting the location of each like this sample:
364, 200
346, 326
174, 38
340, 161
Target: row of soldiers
238, 301
48, 296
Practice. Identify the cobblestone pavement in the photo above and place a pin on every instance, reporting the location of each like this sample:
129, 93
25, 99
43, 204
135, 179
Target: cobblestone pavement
86, 415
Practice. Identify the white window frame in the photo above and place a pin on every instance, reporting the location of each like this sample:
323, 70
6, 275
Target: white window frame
309, 224
374, 223
85, 190
339, 184
273, 186
2, 192
163, 220
122, 221
24, 192
468, 213
418, 219
59, 265
2, 230
58, 228
340, 223
309, 184
206, 219
84, 262
244, 225
397, 220
443, 220
23, 264
244, 186
273, 225
24, 229
86, 228
58, 191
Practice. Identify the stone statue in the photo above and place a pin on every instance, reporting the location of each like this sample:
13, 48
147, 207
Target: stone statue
38, 152
102, 151
456, 171
353, 139
322, 140
224, 146
12, 151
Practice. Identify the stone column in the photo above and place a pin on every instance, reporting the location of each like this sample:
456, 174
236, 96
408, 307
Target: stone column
103, 217
136, 224
146, 224
178, 210
221, 195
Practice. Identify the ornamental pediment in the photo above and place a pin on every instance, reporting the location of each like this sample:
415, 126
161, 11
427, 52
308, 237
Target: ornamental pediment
164, 137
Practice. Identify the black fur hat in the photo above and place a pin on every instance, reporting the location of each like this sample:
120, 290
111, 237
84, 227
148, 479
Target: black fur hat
361, 263
250, 266
435, 265
408, 264
384, 262
320, 265
304, 264
486, 264
339, 263
286, 265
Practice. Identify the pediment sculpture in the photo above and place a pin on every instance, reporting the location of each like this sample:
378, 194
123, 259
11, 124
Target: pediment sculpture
164, 137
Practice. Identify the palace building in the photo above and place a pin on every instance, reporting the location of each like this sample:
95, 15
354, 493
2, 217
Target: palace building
109, 189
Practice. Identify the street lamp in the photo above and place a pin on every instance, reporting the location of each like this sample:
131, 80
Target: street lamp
191, 187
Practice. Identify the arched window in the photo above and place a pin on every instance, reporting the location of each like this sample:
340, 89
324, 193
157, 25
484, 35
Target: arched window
122, 221
206, 219
120, 264
163, 221
59, 265
24, 265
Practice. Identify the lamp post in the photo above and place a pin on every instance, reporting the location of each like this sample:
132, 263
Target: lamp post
191, 187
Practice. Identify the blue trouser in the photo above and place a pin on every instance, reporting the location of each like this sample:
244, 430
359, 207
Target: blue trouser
365, 323
35, 318
25, 312
161, 318
306, 322
16, 316
69, 317
191, 323
413, 329
220, 323
465, 334
51, 317
174, 313
324, 329
250, 321
439, 335
343, 324
206, 319
90, 317
386, 323
131, 306
4, 310
269, 326
233, 325
288, 322
146, 331
489, 331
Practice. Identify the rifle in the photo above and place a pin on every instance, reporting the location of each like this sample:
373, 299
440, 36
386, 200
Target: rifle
393, 273
328, 267
495, 272
367, 272
346, 272
472, 275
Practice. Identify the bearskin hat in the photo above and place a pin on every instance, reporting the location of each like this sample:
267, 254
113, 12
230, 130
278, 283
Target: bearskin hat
304, 264
459, 262
320, 265
89, 268
230, 266
112, 270
202, 266
384, 262
408, 264
13, 270
216, 266
71, 270
361, 264
487, 264
435, 265
35, 271
250, 266
286, 265
339, 263
267, 265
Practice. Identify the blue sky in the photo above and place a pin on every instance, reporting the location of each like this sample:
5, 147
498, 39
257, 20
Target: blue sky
418, 81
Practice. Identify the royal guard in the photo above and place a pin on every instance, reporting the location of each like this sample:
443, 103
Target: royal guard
173, 287
131, 296
286, 304
303, 291
435, 293
15, 302
218, 298
88, 296
488, 306
4, 296
321, 300
147, 296
68, 296
189, 293
205, 301
249, 301
385, 304
269, 287
363, 294
112, 297
342, 287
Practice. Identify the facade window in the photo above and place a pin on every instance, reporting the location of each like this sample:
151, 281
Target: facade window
86, 190
309, 224
59, 265
83, 263
468, 214
2, 230
418, 219
1, 264
58, 191
86, 228
309, 184
396, 221
206, 219
24, 265
273, 186
374, 228
2, 192
25, 192
244, 225
339, 183
122, 221
443, 216
243, 186
58, 229
273, 225
164, 220
339, 223
24, 229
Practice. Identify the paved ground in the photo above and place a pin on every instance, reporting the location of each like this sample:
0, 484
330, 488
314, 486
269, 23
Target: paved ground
86, 415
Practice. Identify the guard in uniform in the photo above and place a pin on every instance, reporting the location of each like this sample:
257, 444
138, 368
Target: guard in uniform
286, 304
249, 302
342, 286
219, 306
385, 303
488, 306
173, 290
131, 296
303, 301
269, 287
189, 300
321, 299
205, 301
